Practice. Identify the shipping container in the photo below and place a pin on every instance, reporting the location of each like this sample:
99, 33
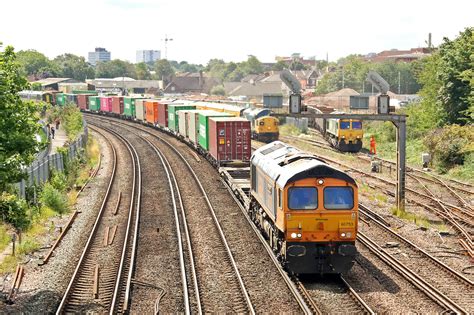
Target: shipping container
70, 98
173, 118
129, 106
183, 123
151, 111
193, 125
229, 139
140, 109
106, 104
117, 105
163, 113
83, 101
204, 126
94, 103
60, 99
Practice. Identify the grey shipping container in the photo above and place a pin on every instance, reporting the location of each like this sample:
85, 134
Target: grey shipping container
184, 121
140, 109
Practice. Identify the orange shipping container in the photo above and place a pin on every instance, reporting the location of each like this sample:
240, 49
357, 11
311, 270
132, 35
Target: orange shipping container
151, 111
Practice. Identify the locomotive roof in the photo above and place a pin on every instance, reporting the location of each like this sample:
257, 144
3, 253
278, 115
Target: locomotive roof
286, 164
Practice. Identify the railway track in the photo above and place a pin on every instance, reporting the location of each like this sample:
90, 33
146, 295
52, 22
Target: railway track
236, 296
98, 283
431, 291
450, 283
333, 292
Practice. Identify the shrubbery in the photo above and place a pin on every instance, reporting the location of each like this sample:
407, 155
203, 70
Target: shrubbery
54, 199
451, 145
71, 119
14, 210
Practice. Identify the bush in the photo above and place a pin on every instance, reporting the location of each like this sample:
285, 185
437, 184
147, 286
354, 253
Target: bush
218, 90
14, 211
54, 199
59, 181
451, 145
71, 119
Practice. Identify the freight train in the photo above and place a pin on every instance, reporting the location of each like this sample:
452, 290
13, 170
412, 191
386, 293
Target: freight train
264, 127
306, 209
343, 134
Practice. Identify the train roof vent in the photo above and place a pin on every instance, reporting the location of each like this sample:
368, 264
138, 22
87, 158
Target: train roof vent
272, 148
293, 158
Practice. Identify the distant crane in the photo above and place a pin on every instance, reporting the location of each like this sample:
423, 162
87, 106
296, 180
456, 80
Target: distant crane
166, 39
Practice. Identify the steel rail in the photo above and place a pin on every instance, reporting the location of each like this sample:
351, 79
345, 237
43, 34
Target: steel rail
411, 276
63, 303
213, 214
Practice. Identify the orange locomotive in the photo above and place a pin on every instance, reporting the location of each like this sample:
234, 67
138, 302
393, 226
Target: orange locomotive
306, 208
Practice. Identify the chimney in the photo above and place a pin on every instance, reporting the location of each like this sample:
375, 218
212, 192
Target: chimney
201, 80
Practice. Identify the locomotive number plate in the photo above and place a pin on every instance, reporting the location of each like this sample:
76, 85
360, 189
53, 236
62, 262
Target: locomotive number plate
346, 224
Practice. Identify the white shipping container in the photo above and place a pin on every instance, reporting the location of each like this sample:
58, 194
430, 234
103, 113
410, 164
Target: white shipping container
193, 125
183, 123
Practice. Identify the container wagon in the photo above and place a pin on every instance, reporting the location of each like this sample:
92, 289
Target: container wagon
173, 117
106, 104
151, 111
117, 105
203, 139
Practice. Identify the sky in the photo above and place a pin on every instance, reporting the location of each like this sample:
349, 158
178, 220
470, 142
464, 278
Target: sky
229, 29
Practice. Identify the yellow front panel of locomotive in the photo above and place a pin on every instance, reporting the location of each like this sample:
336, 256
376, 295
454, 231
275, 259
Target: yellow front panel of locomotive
351, 134
320, 225
270, 124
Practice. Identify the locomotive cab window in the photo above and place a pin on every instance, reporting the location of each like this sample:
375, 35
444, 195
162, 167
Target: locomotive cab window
356, 125
302, 198
338, 198
345, 125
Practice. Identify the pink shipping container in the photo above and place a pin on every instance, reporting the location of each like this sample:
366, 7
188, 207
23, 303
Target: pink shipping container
117, 105
83, 101
229, 139
106, 104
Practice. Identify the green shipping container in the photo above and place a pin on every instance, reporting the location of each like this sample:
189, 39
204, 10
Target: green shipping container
204, 126
129, 106
173, 119
94, 103
60, 99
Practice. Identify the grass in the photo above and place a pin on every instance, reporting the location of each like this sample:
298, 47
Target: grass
9, 264
290, 130
5, 237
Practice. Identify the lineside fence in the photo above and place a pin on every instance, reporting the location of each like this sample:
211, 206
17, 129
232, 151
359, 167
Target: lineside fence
40, 170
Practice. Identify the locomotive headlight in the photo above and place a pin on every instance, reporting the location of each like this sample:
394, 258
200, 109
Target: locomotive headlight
358, 137
343, 235
343, 137
299, 235
348, 234
293, 235
320, 182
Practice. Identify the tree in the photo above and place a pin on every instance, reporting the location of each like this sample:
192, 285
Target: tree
280, 65
218, 90
35, 63
18, 121
447, 81
252, 66
115, 68
456, 76
75, 67
164, 70
142, 71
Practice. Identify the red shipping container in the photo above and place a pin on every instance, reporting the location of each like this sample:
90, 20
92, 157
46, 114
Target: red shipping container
229, 139
106, 104
117, 105
163, 113
83, 101
151, 109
